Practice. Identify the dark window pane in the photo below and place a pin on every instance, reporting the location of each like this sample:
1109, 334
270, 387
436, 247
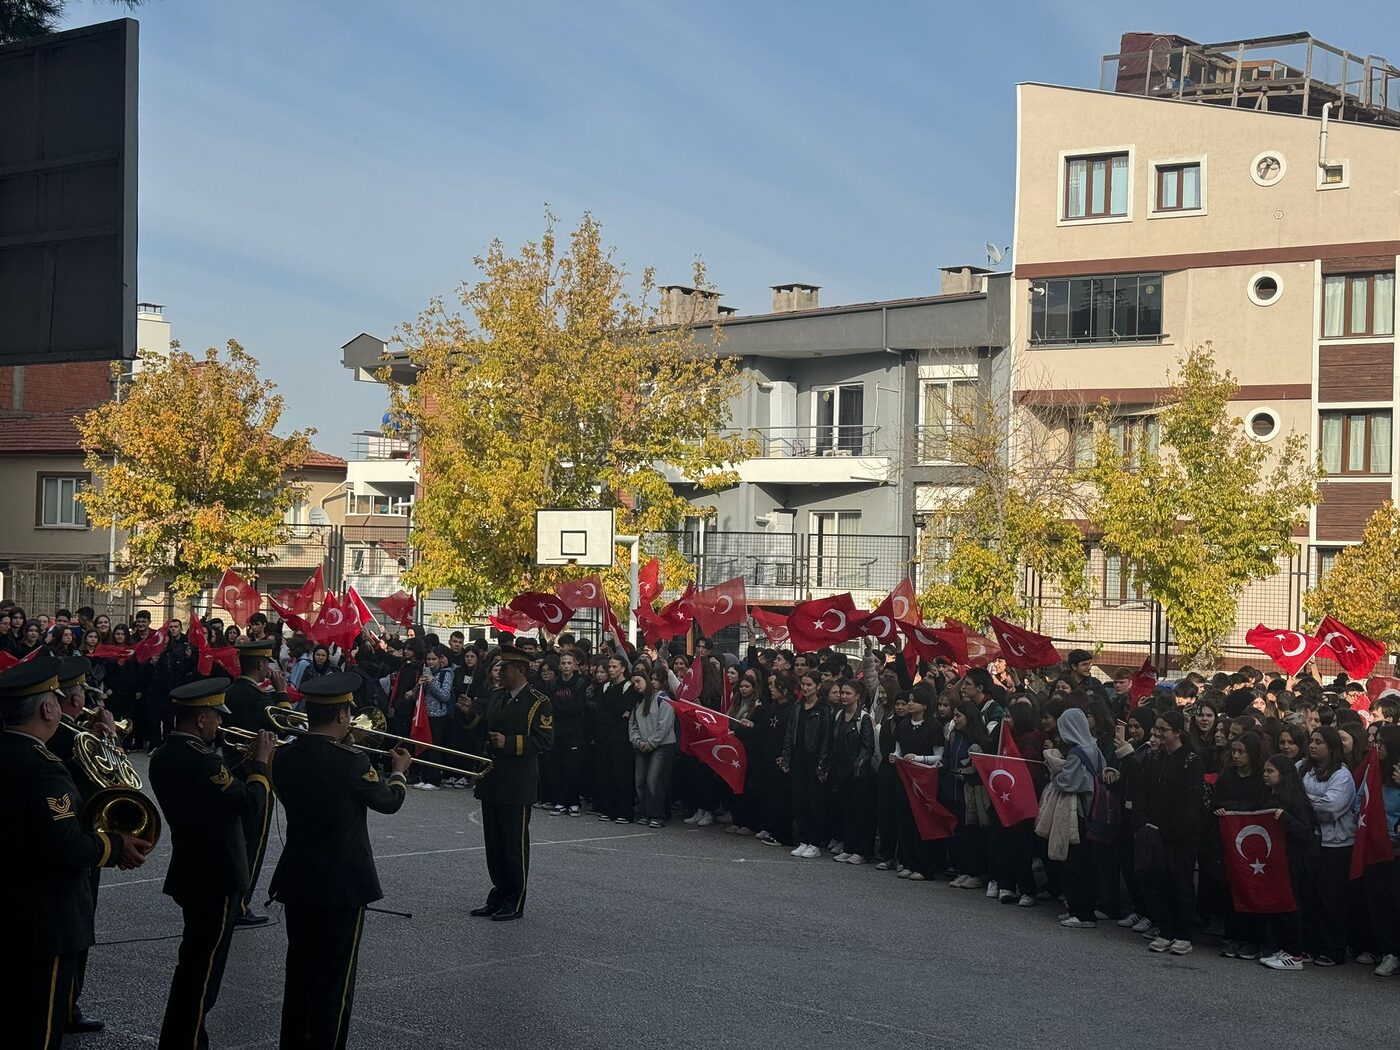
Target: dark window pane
1149, 301
1125, 290
1057, 311
1102, 307
1080, 309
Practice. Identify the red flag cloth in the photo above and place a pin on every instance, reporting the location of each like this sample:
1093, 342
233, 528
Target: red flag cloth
1372, 827
881, 623
706, 735
1007, 743
310, 594
1009, 787
904, 603
672, 621
510, 622
107, 652
721, 606
931, 643
693, 682
197, 635
151, 646
289, 616
981, 650
612, 627
225, 658
1377, 684
546, 609
921, 785
1255, 848
239, 597
586, 593
649, 581
1144, 682
1024, 648
362, 610
398, 607
330, 622
1357, 654
911, 658
1289, 649
822, 622
7, 660
773, 625
422, 730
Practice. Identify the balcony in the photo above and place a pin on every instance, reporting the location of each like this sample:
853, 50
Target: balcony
814, 455
381, 465
373, 445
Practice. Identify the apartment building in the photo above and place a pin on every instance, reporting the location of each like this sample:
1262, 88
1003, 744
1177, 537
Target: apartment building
1245, 194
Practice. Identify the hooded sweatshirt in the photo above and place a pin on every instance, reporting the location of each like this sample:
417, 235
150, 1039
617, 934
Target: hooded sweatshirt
1083, 759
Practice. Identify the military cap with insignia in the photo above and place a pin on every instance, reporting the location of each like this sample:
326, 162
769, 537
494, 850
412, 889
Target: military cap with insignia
207, 692
337, 688
73, 670
30, 677
255, 647
512, 654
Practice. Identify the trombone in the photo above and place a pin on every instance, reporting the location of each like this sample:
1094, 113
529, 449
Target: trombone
369, 722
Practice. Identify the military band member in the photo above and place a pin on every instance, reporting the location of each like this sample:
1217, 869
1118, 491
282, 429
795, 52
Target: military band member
204, 805
44, 880
519, 728
326, 873
248, 702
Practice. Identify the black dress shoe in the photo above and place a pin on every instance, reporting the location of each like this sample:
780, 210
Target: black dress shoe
80, 1025
485, 911
252, 918
507, 914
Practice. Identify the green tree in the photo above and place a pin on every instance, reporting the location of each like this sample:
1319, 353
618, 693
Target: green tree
561, 390
1206, 512
1362, 588
189, 465
22, 19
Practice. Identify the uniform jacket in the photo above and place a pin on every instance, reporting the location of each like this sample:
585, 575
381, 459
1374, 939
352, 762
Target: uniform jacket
46, 879
526, 720
327, 788
204, 806
246, 704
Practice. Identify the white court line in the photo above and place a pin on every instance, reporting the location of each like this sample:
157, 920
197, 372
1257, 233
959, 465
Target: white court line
552, 842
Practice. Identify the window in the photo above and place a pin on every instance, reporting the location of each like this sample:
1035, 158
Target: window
58, 502
1326, 558
1097, 309
1358, 304
840, 419
1119, 582
1083, 454
1096, 187
1262, 424
364, 503
833, 550
947, 409
1264, 288
1135, 437
1356, 442
1179, 187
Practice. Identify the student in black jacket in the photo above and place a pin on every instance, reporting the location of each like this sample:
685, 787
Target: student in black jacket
1173, 789
774, 782
888, 789
917, 738
573, 734
807, 758
852, 778
615, 788
1283, 933
1240, 788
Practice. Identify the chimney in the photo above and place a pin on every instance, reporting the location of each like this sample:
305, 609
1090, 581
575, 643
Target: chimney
961, 280
789, 297
684, 305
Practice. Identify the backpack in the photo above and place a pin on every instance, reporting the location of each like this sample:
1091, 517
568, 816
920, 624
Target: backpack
1105, 816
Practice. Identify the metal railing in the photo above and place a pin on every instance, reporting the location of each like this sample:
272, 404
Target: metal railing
371, 444
810, 441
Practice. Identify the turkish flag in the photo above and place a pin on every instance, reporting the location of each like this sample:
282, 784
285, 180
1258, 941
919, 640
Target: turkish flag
904, 603
722, 605
586, 593
910, 656
1372, 827
511, 622
362, 610
398, 607
1006, 741
706, 735
1144, 682
931, 643
1357, 654
330, 623
422, 730
1289, 649
1009, 787
693, 682
151, 646
672, 621
1255, 848
773, 625
612, 627
7, 660
1022, 647
199, 637
921, 785
239, 597
546, 609
107, 652
882, 622
981, 650
289, 616
307, 597
649, 581
822, 622
225, 657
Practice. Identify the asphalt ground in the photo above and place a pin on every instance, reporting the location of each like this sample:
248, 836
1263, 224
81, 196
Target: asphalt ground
689, 937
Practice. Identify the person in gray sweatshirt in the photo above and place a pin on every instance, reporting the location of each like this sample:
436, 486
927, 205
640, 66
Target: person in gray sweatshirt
652, 730
1083, 762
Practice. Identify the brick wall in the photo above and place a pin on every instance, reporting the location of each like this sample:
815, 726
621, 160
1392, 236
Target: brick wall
54, 388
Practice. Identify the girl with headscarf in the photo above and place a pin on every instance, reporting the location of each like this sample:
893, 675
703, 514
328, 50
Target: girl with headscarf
1084, 764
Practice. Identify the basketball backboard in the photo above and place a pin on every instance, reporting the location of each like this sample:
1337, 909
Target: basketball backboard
574, 537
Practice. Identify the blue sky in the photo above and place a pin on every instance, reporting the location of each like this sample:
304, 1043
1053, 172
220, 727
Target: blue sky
313, 169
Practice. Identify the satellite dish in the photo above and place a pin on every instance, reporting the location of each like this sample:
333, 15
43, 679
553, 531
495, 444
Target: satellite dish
995, 254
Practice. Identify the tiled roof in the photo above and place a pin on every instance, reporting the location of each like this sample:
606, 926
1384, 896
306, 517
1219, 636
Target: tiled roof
317, 460
56, 434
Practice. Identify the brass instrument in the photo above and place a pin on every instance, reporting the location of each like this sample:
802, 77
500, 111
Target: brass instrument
122, 810
101, 756
369, 723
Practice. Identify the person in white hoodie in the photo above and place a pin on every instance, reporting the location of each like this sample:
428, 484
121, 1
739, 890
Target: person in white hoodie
1331, 789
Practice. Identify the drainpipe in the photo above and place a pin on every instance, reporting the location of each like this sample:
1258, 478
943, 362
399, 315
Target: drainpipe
1322, 138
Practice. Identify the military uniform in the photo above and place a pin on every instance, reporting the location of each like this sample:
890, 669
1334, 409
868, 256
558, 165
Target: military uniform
204, 804
45, 881
510, 788
326, 873
247, 703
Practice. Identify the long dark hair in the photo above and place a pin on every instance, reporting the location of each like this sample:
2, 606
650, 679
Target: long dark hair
1335, 758
1254, 750
976, 731
1388, 736
1289, 794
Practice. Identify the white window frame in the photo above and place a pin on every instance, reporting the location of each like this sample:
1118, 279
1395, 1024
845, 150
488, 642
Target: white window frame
1345, 165
1172, 162
80, 482
1065, 156
925, 382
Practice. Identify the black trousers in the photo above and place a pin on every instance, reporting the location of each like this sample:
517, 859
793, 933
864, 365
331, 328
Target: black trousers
857, 798
255, 828
913, 852
1174, 892
809, 805
616, 780
777, 802
1081, 881
888, 790
569, 765
34, 1001
323, 948
1325, 907
507, 830
80, 964
1012, 851
199, 970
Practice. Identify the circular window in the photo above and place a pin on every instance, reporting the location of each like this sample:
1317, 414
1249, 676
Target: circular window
1262, 424
1267, 168
1264, 288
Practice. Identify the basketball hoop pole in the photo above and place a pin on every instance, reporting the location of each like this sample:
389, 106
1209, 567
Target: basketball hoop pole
634, 544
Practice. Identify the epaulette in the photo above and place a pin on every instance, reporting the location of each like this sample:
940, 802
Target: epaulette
538, 695
202, 748
42, 750
347, 747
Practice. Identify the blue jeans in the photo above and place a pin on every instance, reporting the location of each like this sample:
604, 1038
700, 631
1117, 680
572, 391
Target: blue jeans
653, 778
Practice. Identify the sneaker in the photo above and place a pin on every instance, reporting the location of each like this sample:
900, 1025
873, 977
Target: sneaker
974, 883
812, 853
1130, 920
1151, 933
1387, 967
992, 890
623, 820
883, 865
1143, 925
834, 847
771, 840
706, 820
1230, 950
559, 807
1181, 947
1303, 957
423, 785
654, 824
731, 830
1324, 960
1007, 897
743, 832
1102, 916
904, 873
841, 858
574, 811
1078, 924
1026, 902
1159, 944
723, 816
1366, 959
855, 858
694, 818
917, 876
1064, 915
800, 851
1283, 961
540, 805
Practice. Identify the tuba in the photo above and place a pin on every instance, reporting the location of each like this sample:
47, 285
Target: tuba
123, 810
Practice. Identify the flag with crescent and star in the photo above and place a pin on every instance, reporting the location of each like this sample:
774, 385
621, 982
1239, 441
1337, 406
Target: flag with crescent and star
1372, 827
302, 600
238, 597
671, 621
1255, 848
882, 622
694, 681
773, 625
586, 593
1144, 682
707, 736
149, 647
1291, 650
932, 818
1009, 787
612, 627
548, 610
931, 643
981, 650
649, 581
1024, 648
337, 624
904, 603
398, 607
1357, 654
288, 615
822, 622
722, 605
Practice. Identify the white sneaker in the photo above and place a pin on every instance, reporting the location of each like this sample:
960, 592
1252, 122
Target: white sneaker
1181, 947
1283, 961
1073, 923
1142, 925
855, 858
1130, 920
841, 858
694, 818
992, 889
707, 818
811, 853
1159, 944
1026, 902
423, 785
959, 883
1387, 967
573, 810
1366, 959
800, 851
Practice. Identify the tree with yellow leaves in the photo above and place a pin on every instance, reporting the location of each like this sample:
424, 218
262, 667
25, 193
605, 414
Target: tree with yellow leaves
561, 390
1361, 588
189, 466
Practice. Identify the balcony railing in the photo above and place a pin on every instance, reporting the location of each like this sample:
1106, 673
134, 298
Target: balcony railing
371, 444
812, 441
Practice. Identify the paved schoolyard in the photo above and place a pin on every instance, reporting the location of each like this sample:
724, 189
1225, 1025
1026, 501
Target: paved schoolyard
694, 938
